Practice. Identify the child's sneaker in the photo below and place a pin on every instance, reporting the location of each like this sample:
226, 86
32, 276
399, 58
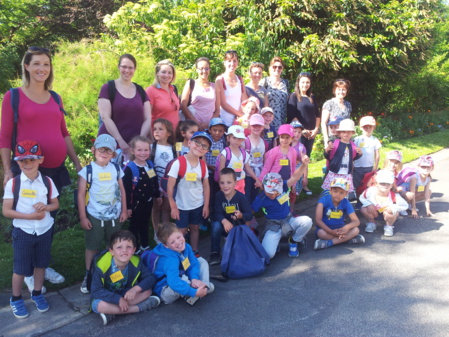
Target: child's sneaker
41, 303
214, 259
370, 227
403, 213
29, 281
211, 288
150, 303
293, 248
19, 309
83, 287
388, 230
320, 244
106, 318
53, 276
357, 239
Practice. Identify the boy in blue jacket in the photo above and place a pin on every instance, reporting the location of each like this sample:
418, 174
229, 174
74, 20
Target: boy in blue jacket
121, 284
179, 272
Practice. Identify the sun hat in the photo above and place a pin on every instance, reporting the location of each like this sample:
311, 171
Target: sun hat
395, 155
346, 125
385, 176
28, 149
334, 121
202, 134
367, 120
340, 183
296, 124
265, 110
105, 140
286, 129
256, 119
237, 131
216, 121
272, 182
426, 161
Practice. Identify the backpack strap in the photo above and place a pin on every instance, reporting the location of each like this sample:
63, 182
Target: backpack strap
354, 149
334, 149
191, 85
15, 191
47, 183
267, 146
134, 171
243, 155
203, 169
111, 91
248, 144
223, 81
141, 92
393, 196
118, 170
182, 167
228, 155
175, 89
241, 83
58, 101
153, 151
88, 177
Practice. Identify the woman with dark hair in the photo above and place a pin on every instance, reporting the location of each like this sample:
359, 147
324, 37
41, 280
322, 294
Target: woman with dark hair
40, 118
336, 107
278, 89
124, 107
199, 101
163, 97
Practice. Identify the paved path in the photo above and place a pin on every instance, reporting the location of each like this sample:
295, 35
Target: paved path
393, 286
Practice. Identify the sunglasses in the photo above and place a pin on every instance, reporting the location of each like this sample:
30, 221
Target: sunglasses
277, 67
45, 50
231, 52
341, 80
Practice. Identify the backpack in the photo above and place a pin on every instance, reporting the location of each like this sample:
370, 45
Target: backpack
15, 96
181, 172
228, 159
240, 79
16, 189
248, 145
243, 255
405, 175
135, 173
153, 151
149, 259
368, 180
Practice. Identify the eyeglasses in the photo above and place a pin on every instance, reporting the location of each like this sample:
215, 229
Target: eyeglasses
105, 150
199, 144
278, 67
45, 50
127, 68
305, 73
203, 69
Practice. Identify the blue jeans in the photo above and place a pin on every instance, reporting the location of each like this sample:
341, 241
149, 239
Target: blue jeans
216, 232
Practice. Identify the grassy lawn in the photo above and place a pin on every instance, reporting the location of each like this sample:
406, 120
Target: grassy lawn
68, 245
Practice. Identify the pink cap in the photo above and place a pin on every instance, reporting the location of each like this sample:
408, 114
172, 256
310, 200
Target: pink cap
286, 129
426, 161
395, 155
256, 119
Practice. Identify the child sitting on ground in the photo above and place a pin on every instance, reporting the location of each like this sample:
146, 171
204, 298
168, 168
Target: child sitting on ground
231, 208
179, 272
379, 201
121, 284
29, 198
274, 201
330, 217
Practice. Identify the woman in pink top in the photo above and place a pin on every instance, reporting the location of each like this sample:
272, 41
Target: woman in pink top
201, 103
163, 99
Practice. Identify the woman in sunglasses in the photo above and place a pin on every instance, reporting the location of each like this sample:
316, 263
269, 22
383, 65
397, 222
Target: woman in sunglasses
278, 89
41, 118
336, 107
124, 106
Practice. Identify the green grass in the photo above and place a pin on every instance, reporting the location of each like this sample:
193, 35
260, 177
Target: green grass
68, 245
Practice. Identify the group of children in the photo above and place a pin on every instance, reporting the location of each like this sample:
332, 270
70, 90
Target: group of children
206, 174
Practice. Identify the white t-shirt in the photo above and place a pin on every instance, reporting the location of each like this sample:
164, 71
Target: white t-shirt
344, 168
105, 202
189, 192
369, 145
237, 164
31, 192
163, 155
256, 155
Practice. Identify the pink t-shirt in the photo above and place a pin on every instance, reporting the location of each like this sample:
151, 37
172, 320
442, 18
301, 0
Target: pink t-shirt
43, 123
203, 100
163, 105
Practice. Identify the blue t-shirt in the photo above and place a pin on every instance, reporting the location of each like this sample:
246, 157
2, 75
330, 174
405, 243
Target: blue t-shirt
276, 209
333, 216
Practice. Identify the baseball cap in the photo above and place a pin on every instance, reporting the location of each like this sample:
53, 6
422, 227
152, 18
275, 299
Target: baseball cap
272, 182
426, 161
367, 120
202, 134
286, 129
237, 131
256, 119
296, 124
340, 183
27, 149
395, 155
385, 176
105, 140
217, 121
346, 125
335, 121
266, 109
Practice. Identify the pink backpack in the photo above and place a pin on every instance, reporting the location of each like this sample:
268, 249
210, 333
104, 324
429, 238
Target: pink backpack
336, 144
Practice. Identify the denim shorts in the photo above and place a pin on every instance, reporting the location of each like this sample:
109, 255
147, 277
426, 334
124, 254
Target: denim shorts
190, 217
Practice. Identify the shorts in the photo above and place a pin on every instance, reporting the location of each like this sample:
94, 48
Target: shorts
30, 251
95, 302
190, 217
98, 236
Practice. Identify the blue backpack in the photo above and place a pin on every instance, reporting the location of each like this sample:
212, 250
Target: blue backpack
243, 255
149, 258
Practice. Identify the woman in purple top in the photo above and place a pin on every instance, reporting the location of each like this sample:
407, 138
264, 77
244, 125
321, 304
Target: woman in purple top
128, 114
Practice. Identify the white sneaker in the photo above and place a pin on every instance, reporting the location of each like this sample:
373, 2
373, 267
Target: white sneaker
403, 213
53, 276
370, 227
29, 281
211, 288
388, 230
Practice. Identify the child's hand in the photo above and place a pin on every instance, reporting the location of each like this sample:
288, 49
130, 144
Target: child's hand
415, 214
389, 210
305, 160
358, 150
85, 224
40, 207
159, 201
195, 283
329, 146
205, 212
174, 212
227, 225
123, 216
399, 189
130, 213
123, 304
237, 215
38, 215
131, 293
202, 291
258, 184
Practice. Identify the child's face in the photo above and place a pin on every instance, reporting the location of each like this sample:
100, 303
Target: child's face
333, 129
297, 133
141, 151
227, 184
268, 116
367, 130
273, 195
216, 132
160, 132
250, 109
199, 146
285, 140
338, 194
234, 141
425, 170
30, 167
393, 165
103, 155
176, 242
189, 133
122, 251
256, 129
256, 74
384, 188
345, 135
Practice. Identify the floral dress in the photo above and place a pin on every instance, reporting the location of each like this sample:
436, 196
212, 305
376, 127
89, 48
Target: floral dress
277, 100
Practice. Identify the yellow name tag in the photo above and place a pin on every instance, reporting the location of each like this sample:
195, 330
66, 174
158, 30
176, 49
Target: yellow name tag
237, 166
29, 193
270, 134
336, 215
186, 263
215, 153
245, 125
283, 198
421, 188
191, 176
178, 146
151, 173
257, 154
284, 162
362, 145
230, 209
117, 276
104, 176
381, 210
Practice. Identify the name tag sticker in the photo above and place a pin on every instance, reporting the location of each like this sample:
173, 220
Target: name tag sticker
104, 176
270, 134
230, 209
237, 166
191, 176
28, 193
336, 215
257, 155
178, 146
283, 198
421, 188
284, 162
215, 153
151, 173
362, 145
381, 210
117, 276
186, 263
